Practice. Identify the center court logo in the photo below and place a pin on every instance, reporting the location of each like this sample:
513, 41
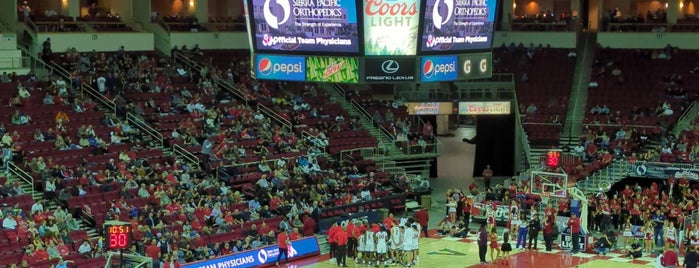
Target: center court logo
271, 19
437, 18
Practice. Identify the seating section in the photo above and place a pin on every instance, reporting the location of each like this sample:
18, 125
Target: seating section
544, 78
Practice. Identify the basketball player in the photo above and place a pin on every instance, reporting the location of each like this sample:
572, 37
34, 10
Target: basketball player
406, 246
415, 236
381, 246
361, 242
396, 241
370, 246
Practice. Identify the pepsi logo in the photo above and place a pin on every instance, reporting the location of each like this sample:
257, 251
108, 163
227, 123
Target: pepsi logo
428, 69
264, 66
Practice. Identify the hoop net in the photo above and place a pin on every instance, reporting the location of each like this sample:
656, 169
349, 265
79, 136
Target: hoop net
545, 197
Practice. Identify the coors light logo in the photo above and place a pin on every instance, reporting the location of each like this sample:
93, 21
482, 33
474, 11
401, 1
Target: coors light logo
390, 27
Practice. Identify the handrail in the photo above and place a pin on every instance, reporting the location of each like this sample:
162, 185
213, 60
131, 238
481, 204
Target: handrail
30, 23
21, 174
366, 114
543, 124
686, 118
187, 155
275, 116
162, 23
87, 89
137, 121
218, 81
53, 68
616, 125
348, 152
245, 164
305, 135
524, 139
229, 26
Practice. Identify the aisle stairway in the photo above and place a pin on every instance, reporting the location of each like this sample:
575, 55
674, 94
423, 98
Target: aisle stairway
572, 127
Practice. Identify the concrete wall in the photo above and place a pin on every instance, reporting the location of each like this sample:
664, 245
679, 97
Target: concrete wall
8, 41
555, 39
61, 42
648, 40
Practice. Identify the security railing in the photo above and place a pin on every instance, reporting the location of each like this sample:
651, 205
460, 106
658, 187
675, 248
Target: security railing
21, 174
275, 116
366, 114
186, 155
145, 127
88, 90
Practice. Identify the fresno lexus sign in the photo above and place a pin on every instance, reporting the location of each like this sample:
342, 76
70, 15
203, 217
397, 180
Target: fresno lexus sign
480, 108
389, 69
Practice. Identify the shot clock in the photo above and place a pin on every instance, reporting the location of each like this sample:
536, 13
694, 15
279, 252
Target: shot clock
553, 159
117, 236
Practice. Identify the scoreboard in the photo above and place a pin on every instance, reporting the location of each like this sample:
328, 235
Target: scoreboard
371, 41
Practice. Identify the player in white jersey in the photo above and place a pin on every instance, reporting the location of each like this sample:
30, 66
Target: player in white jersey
395, 243
370, 247
414, 242
361, 242
407, 246
381, 245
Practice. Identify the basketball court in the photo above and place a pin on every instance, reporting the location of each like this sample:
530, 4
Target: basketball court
458, 253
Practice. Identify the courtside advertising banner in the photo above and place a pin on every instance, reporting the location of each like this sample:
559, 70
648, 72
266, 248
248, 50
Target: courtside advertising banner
438, 69
332, 69
475, 66
457, 25
305, 247
313, 26
391, 27
275, 67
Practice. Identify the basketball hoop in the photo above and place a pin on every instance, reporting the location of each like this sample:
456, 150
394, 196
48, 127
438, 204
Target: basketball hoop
545, 198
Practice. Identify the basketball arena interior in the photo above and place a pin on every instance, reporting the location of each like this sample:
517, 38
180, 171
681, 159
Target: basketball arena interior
350, 133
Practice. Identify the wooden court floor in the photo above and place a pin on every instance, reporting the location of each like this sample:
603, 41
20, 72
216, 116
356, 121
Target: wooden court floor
455, 253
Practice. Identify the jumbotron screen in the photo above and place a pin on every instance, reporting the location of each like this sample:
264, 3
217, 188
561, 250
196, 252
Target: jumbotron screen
455, 26
305, 26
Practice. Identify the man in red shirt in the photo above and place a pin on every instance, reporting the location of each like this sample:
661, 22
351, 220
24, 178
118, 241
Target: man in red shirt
341, 242
351, 240
332, 241
574, 224
309, 226
283, 241
423, 218
295, 234
670, 258
153, 251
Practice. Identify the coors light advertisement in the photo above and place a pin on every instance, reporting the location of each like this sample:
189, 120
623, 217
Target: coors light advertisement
391, 27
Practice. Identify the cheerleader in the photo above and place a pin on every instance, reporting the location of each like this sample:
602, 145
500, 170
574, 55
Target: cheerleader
451, 208
381, 247
514, 218
361, 243
490, 214
670, 234
627, 232
370, 246
694, 237
396, 242
506, 247
494, 247
648, 231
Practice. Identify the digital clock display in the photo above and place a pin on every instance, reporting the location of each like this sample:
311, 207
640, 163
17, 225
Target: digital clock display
553, 159
118, 236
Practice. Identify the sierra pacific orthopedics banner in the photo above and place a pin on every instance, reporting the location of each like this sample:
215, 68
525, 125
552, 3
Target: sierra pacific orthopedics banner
304, 247
278, 67
457, 25
391, 27
315, 26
